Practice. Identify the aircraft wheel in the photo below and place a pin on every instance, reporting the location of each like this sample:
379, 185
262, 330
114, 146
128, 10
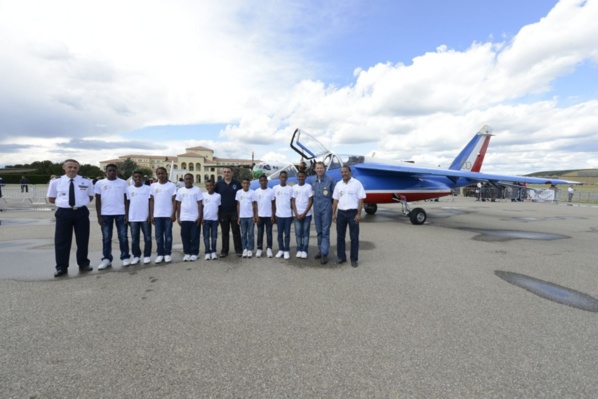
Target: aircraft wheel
370, 209
418, 216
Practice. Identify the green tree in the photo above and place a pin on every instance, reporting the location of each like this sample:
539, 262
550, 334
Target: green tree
126, 168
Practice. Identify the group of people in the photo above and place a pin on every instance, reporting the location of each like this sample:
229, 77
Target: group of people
228, 203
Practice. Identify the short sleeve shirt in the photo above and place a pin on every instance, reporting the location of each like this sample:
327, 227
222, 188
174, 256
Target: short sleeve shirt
112, 193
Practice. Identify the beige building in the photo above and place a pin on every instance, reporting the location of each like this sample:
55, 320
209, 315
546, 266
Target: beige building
199, 161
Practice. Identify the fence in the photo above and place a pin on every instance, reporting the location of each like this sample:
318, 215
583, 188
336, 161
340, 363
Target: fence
34, 194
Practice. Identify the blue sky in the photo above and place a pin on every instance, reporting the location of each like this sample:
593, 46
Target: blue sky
406, 80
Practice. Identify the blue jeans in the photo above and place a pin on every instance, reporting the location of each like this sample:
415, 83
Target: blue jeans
121, 230
210, 235
322, 220
344, 218
284, 233
163, 236
190, 237
247, 233
264, 222
136, 227
302, 233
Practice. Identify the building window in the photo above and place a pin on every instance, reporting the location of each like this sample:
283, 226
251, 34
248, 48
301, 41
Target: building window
184, 166
191, 166
198, 178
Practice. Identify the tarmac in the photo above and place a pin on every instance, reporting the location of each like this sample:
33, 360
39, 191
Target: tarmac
482, 301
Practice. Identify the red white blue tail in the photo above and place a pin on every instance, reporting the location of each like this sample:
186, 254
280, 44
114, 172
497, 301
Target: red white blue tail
471, 157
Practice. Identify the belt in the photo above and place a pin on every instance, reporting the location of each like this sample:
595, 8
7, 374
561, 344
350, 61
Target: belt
347, 210
75, 208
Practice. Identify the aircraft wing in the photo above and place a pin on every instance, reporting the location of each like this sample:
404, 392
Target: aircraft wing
454, 175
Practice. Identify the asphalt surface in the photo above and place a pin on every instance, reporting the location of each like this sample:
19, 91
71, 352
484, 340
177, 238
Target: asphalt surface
423, 316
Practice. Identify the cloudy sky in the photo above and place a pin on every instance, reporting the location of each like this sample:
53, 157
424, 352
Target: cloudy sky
410, 80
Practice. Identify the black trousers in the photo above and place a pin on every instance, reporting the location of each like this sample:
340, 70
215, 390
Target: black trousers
67, 221
228, 220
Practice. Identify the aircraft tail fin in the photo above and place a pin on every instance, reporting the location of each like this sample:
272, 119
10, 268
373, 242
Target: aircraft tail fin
472, 156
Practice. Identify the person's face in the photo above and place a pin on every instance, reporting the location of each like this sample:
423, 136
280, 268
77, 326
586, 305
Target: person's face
245, 185
188, 181
138, 179
71, 169
283, 179
345, 174
263, 183
320, 170
111, 173
301, 178
210, 187
228, 174
161, 174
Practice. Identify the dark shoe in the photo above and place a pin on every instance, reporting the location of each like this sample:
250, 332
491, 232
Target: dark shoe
223, 254
341, 261
354, 263
324, 260
318, 256
239, 254
85, 268
60, 273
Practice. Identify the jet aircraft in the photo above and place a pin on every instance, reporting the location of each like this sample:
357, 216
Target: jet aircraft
402, 182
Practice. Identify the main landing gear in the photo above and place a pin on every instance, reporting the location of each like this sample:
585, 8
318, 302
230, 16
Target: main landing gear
416, 215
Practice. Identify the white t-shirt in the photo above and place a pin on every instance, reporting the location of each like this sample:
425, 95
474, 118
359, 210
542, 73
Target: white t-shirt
162, 194
139, 203
211, 202
302, 195
264, 201
348, 194
245, 200
113, 194
189, 197
283, 197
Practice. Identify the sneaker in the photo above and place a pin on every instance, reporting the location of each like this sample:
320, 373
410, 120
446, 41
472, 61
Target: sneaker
167, 258
214, 256
105, 264
208, 257
186, 258
134, 261
279, 254
159, 259
269, 253
299, 254
258, 254
249, 253
193, 258
126, 262
287, 255
244, 253
147, 260
304, 255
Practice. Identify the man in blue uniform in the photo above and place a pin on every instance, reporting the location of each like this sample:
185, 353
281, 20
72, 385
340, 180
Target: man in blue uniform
227, 188
323, 187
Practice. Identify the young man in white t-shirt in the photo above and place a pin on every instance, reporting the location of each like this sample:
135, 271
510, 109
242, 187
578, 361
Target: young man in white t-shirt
284, 215
162, 214
266, 209
302, 201
111, 206
189, 212
139, 220
211, 205
247, 211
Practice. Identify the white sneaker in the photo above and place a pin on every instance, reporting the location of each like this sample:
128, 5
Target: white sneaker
249, 253
126, 262
214, 256
287, 255
193, 258
244, 253
186, 258
208, 257
167, 258
258, 254
105, 264
269, 252
159, 259
299, 254
134, 261
279, 254
147, 260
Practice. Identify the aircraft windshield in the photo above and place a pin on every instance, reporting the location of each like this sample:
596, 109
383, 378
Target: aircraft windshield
307, 146
290, 169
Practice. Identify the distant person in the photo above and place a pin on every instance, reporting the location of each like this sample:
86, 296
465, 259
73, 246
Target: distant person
283, 194
211, 204
112, 209
227, 188
163, 214
301, 202
139, 219
247, 211
71, 194
266, 209
189, 213
323, 187
570, 193
348, 201
180, 183
1, 185
24, 184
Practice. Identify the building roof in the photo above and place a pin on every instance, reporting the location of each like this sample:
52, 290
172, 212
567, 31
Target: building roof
190, 155
199, 148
